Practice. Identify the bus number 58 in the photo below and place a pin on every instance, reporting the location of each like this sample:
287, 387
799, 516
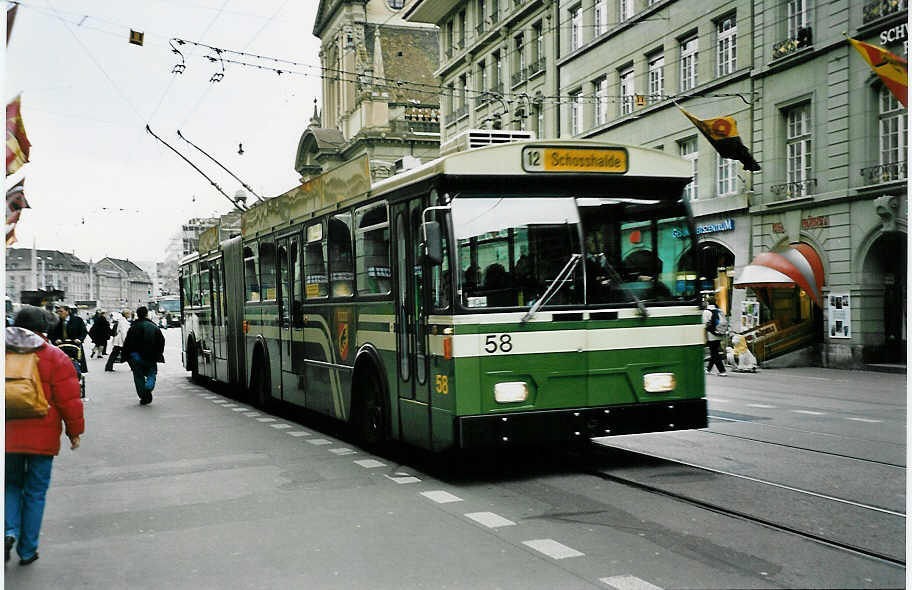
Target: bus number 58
495, 342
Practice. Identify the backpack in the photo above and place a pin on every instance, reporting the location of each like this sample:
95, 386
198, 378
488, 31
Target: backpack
714, 322
24, 392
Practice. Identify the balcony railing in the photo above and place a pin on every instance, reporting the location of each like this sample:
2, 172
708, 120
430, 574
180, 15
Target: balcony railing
518, 77
884, 173
794, 190
802, 39
535, 67
881, 8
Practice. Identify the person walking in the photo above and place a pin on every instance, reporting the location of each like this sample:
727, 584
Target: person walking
32, 443
120, 324
143, 347
714, 325
100, 332
70, 327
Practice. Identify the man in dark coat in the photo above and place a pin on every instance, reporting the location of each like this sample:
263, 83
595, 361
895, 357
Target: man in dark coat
70, 327
99, 333
143, 347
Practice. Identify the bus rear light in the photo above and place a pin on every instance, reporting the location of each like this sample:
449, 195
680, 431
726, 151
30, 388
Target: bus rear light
448, 347
659, 382
510, 392
245, 327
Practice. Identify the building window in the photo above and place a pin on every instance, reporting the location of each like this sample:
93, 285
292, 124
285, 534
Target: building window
576, 28
498, 73
601, 100
395, 4
539, 121
726, 37
625, 10
727, 175
601, 16
482, 85
449, 37
480, 16
656, 78
689, 63
797, 14
463, 90
798, 149
576, 122
539, 41
519, 59
687, 149
625, 90
462, 29
893, 126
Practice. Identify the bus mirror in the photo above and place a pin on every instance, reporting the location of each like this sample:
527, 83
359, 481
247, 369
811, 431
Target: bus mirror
433, 252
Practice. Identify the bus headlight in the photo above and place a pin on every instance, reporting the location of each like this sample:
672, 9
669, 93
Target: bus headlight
658, 382
510, 392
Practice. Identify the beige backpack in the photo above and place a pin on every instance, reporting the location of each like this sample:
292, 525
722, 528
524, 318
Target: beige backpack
24, 392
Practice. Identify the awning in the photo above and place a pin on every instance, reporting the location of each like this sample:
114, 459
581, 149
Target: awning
796, 264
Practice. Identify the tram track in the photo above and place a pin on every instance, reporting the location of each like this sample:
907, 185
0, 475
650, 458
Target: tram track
621, 474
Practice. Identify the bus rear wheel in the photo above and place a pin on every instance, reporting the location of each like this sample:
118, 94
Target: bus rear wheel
260, 386
370, 413
193, 362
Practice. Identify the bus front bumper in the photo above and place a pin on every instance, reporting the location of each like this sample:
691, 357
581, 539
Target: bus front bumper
568, 425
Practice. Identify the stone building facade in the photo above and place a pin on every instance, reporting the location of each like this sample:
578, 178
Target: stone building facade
30, 269
378, 89
121, 284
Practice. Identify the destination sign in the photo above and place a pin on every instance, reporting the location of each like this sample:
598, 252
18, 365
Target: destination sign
562, 159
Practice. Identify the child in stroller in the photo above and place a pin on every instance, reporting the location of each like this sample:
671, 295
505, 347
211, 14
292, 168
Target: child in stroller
73, 350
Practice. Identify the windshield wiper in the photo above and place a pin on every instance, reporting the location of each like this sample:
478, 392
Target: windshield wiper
620, 281
555, 286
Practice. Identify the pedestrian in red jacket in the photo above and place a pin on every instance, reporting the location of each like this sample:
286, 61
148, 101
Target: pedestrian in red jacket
32, 443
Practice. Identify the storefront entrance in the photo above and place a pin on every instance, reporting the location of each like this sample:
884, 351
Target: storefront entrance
885, 276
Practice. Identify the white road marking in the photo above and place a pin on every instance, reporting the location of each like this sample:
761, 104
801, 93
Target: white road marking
717, 400
552, 548
280, 426
489, 519
266, 419
402, 478
628, 583
239, 409
297, 433
441, 497
343, 451
218, 401
319, 441
867, 420
252, 414
764, 406
810, 412
230, 405
370, 463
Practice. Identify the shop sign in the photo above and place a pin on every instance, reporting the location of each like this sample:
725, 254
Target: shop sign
894, 34
708, 228
840, 315
815, 222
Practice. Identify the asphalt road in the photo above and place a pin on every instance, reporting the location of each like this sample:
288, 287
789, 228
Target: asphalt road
200, 491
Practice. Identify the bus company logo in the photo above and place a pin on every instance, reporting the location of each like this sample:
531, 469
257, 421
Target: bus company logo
343, 320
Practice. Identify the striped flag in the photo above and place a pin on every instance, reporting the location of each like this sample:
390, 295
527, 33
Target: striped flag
891, 69
15, 203
10, 18
722, 133
17, 144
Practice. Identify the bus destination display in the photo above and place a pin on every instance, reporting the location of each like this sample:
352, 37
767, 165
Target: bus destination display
554, 159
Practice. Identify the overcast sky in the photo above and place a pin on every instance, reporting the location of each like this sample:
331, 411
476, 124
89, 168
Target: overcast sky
97, 183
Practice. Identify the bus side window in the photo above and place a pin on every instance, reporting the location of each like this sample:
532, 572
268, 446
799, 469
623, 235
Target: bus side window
204, 284
185, 286
267, 271
252, 272
315, 277
340, 255
194, 285
372, 249
440, 274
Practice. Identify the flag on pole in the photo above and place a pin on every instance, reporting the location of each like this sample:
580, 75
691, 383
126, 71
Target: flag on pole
10, 17
17, 144
891, 69
722, 133
15, 203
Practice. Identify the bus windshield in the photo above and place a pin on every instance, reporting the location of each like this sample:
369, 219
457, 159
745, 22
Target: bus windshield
511, 249
166, 305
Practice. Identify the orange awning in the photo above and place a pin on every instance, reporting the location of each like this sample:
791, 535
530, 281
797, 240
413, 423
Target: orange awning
796, 264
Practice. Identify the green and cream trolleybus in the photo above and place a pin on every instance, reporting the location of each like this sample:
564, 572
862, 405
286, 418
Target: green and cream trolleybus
531, 292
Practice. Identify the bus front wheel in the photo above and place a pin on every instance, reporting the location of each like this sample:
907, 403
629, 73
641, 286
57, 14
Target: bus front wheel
193, 362
370, 412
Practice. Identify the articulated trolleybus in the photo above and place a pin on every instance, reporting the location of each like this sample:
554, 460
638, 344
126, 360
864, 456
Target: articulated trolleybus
530, 292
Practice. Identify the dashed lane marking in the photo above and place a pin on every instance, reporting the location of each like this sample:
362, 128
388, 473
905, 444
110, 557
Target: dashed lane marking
218, 401
764, 406
280, 426
866, 420
441, 497
252, 414
266, 419
230, 405
489, 519
370, 463
401, 478
343, 451
319, 441
297, 433
810, 412
552, 548
628, 583
240, 409
717, 400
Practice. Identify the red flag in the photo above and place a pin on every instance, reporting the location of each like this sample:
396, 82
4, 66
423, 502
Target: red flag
891, 68
17, 144
15, 203
722, 133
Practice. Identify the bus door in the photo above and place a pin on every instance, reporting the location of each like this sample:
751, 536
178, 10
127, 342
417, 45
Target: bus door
219, 350
284, 312
411, 326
